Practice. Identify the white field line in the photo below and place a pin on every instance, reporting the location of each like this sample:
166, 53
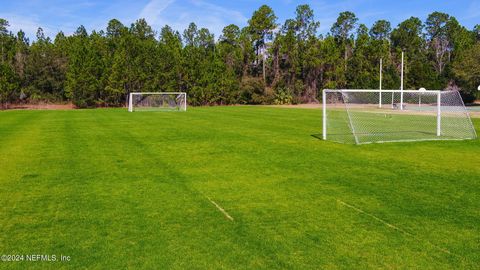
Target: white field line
221, 209
394, 227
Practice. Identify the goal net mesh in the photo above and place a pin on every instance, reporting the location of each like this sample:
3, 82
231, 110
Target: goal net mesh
355, 116
158, 102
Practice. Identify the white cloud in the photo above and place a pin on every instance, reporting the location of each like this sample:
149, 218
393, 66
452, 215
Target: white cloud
327, 11
29, 25
179, 14
153, 10
219, 11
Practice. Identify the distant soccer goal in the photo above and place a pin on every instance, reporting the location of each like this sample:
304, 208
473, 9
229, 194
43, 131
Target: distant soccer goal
157, 101
376, 116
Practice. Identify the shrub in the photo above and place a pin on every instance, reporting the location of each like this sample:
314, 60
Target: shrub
283, 96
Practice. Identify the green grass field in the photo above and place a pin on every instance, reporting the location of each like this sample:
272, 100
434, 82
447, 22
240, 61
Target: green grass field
119, 190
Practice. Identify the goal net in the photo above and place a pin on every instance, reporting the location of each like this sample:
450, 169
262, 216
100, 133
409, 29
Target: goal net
375, 116
157, 101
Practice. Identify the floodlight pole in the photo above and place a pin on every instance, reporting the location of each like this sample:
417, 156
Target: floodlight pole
380, 86
324, 116
401, 86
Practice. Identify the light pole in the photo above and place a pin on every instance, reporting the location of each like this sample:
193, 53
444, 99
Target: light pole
380, 86
401, 86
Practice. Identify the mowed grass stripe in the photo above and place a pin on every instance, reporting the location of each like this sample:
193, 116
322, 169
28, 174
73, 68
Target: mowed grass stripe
383, 179
181, 220
260, 252
153, 207
254, 240
425, 172
32, 211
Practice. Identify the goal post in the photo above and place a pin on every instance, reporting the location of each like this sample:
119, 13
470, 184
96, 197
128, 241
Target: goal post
354, 116
439, 112
157, 101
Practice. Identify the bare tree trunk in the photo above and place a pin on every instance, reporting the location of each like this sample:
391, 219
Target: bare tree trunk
311, 92
276, 67
263, 62
3, 59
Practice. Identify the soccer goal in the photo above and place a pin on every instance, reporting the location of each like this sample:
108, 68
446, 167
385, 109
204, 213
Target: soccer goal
157, 101
376, 116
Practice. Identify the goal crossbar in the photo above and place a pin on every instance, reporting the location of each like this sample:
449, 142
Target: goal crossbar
378, 91
157, 93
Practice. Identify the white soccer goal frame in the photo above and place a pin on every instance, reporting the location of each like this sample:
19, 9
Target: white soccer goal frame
130, 98
438, 94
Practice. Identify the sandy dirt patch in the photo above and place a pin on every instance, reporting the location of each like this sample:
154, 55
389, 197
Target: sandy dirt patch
45, 106
298, 106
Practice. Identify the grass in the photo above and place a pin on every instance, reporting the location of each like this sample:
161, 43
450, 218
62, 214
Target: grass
118, 190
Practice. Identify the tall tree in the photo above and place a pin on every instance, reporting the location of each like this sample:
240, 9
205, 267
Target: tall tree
119, 61
306, 25
190, 35
115, 28
169, 74
362, 68
459, 38
467, 70
309, 64
437, 35
85, 72
230, 34
248, 52
44, 72
381, 30
21, 57
333, 75
8, 78
476, 32
379, 48
342, 29
229, 54
408, 37
261, 26
229, 49
3, 33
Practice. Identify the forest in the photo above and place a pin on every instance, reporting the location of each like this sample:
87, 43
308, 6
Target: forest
265, 62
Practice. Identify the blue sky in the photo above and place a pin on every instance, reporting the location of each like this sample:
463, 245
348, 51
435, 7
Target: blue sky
65, 15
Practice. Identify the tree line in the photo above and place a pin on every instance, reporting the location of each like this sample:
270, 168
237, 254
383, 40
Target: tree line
262, 63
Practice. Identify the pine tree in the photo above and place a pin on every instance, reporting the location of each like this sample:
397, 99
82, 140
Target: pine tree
261, 27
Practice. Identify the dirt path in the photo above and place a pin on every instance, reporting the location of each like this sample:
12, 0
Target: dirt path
68, 106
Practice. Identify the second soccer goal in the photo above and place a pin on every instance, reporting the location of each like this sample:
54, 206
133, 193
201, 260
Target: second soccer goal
375, 116
157, 101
